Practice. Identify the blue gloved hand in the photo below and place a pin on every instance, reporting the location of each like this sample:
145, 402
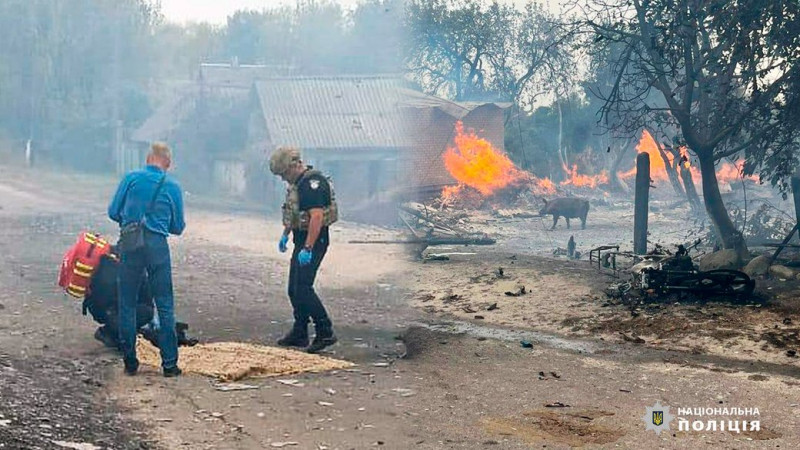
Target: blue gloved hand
282, 245
304, 257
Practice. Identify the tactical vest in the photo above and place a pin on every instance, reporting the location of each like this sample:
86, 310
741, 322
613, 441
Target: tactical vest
298, 220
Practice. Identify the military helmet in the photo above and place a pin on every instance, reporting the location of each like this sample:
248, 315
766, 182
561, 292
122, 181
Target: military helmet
282, 159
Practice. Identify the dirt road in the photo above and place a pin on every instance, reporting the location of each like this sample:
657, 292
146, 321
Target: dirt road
461, 386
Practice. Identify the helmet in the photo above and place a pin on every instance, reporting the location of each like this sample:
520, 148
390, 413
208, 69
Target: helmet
282, 159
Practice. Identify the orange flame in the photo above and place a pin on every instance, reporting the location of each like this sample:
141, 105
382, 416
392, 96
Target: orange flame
726, 172
658, 170
449, 193
543, 186
474, 162
579, 180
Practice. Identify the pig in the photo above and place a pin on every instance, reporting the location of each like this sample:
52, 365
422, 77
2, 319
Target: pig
567, 208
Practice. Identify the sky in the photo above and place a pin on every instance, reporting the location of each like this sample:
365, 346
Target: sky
217, 11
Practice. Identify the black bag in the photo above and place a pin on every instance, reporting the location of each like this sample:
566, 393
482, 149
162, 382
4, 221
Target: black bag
131, 236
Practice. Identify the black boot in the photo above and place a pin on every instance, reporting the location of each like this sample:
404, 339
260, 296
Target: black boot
131, 367
297, 337
102, 335
324, 337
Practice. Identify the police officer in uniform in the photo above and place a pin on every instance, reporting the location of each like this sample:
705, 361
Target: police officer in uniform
309, 209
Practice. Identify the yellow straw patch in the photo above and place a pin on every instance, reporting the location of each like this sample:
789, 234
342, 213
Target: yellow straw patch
230, 361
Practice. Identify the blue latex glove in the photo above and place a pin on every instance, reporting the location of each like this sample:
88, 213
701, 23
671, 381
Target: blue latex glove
304, 257
282, 245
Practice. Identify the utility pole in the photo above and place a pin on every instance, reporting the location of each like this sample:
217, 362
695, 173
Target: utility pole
116, 124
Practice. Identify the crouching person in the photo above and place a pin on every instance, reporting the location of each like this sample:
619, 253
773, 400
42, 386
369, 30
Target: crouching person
101, 302
148, 206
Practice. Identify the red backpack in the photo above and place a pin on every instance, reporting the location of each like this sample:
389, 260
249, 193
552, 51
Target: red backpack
80, 262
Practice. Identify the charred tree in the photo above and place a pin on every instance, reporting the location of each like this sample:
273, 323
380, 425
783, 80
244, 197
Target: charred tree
672, 174
691, 190
616, 184
796, 195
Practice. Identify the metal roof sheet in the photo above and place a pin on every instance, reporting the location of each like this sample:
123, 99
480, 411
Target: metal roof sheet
334, 112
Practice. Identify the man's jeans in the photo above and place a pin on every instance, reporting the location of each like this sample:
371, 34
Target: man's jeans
154, 258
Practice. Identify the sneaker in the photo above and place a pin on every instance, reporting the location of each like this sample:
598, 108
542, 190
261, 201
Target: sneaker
172, 372
321, 343
294, 339
131, 367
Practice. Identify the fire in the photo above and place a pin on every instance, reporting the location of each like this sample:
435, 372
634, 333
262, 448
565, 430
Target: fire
544, 186
449, 193
474, 162
658, 170
726, 172
579, 180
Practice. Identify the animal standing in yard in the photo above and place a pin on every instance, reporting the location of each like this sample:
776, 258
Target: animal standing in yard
568, 208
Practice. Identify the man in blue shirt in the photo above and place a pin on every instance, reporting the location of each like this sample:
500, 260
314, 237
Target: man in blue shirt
134, 195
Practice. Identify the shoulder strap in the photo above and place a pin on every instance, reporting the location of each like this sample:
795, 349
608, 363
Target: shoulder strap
155, 194
305, 175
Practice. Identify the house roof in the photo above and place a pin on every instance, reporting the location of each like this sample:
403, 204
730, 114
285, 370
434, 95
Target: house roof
419, 100
334, 111
169, 116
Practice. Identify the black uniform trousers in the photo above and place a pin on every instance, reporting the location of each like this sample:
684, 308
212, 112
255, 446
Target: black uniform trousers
305, 301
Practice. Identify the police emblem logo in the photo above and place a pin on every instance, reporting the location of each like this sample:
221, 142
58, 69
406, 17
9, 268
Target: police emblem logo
658, 417
314, 184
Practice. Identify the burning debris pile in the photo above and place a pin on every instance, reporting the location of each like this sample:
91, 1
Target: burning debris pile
486, 176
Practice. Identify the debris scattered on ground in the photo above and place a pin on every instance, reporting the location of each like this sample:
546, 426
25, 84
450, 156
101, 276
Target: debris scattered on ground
435, 257
492, 307
526, 344
634, 339
295, 383
227, 387
283, 444
556, 405
404, 392
76, 445
520, 291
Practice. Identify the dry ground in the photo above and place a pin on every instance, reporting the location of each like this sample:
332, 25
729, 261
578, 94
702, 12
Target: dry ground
463, 390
